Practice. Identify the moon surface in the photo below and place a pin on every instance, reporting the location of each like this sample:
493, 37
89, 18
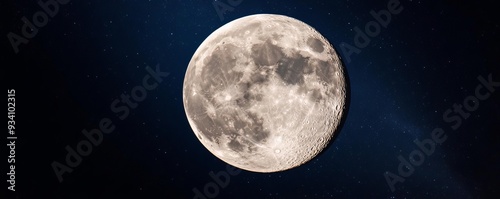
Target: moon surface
265, 93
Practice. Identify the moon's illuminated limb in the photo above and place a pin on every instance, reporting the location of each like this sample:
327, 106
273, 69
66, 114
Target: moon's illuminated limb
265, 93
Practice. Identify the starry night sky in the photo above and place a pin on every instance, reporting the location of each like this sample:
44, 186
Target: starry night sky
427, 59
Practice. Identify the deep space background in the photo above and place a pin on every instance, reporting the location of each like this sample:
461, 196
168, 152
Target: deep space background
427, 59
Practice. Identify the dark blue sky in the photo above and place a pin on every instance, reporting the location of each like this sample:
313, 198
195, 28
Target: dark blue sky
427, 59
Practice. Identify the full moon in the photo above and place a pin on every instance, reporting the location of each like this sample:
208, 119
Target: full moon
265, 93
